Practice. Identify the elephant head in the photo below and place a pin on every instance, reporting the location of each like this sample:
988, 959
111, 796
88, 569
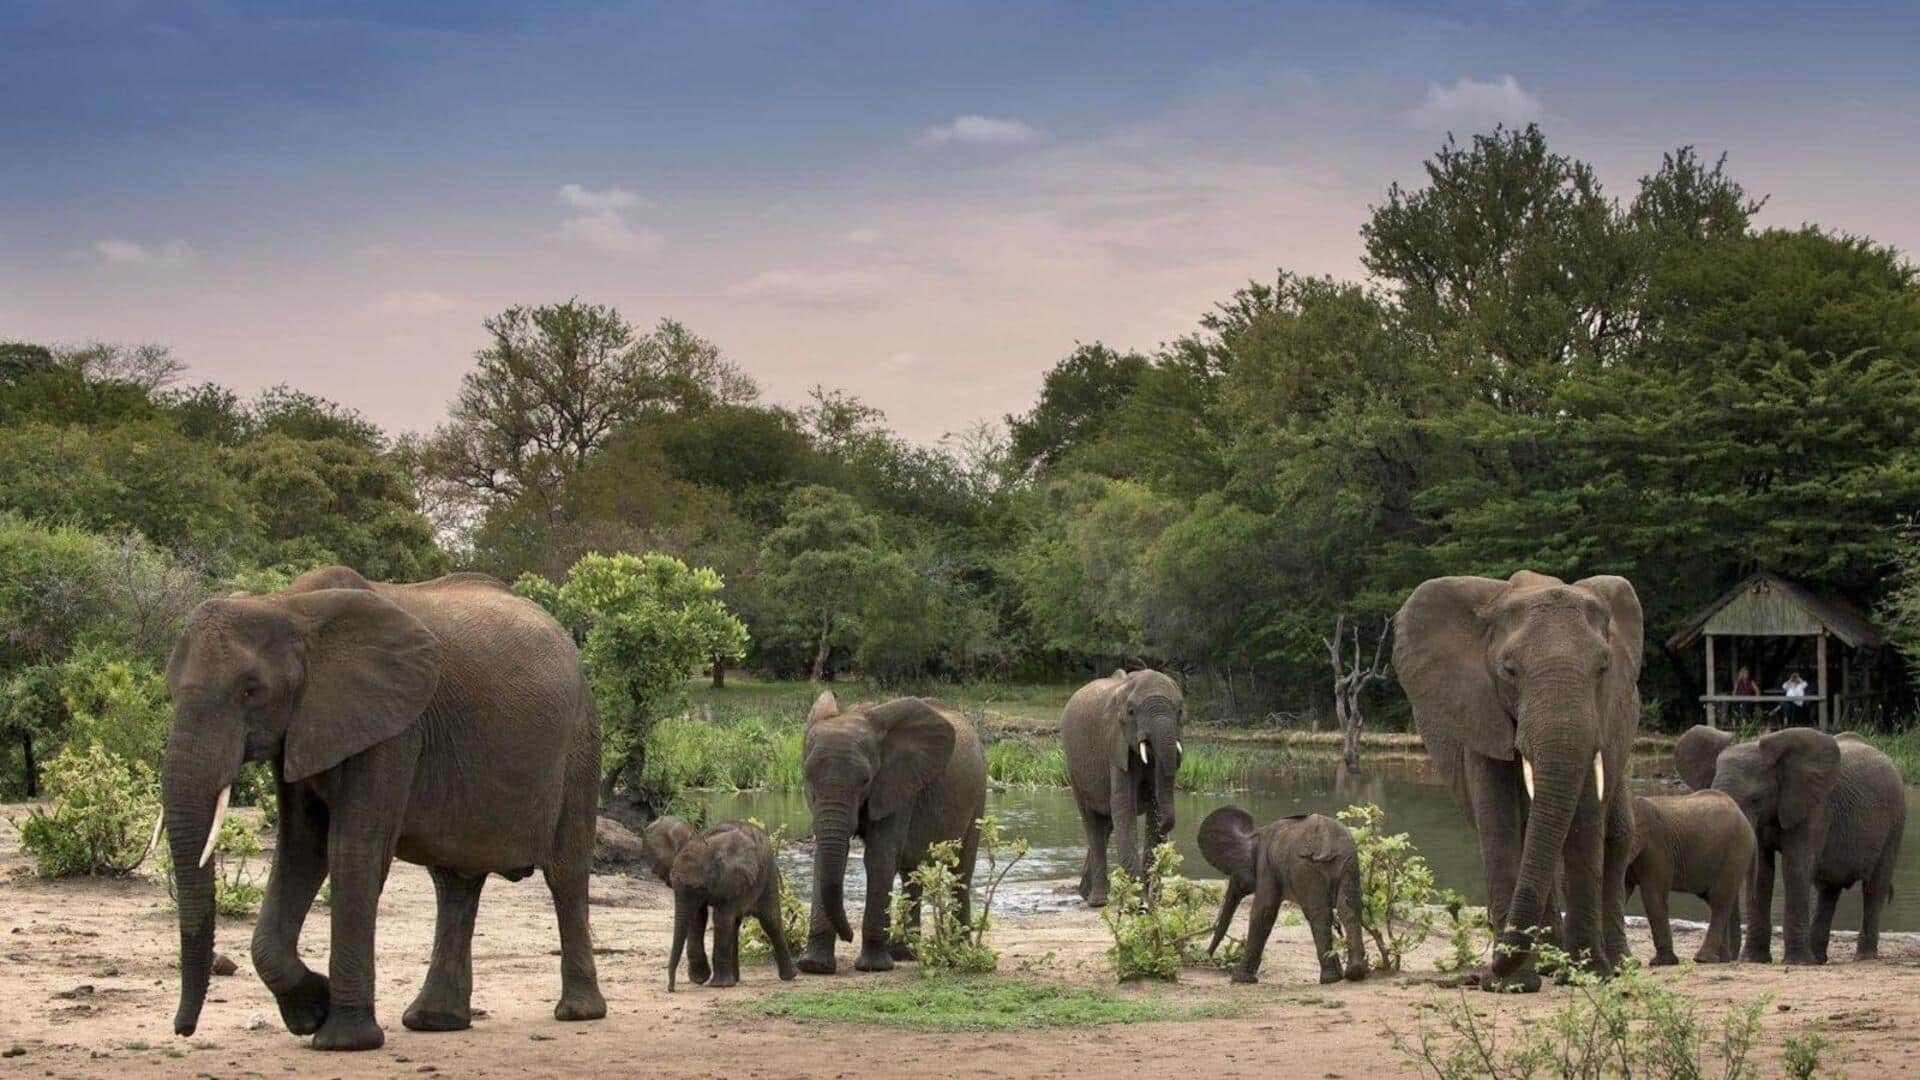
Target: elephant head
1148, 739
662, 841
1779, 780
305, 679
865, 764
1227, 841
1535, 669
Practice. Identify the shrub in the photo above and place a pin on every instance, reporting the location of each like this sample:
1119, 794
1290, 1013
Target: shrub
1466, 929
1397, 895
1161, 923
1630, 1025
942, 941
103, 812
119, 703
1801, 1052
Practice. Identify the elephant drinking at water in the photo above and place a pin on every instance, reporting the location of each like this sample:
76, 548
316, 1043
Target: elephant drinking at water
1524, 693
445, 722
902, 777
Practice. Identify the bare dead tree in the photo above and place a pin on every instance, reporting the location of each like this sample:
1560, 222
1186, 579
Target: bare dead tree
1351, 679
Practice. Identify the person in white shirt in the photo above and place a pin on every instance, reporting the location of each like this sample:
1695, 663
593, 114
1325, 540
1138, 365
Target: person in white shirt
1795, 688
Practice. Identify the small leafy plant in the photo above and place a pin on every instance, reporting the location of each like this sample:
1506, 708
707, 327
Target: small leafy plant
943, 942
1397, 894
1467, 932
1162, 923
235, 891
104, 807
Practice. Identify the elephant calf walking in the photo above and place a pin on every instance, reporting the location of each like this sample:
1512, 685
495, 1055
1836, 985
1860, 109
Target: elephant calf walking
1309, 859
727, 872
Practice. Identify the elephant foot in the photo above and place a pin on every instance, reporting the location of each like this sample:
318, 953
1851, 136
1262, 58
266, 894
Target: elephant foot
721, 981
304, 1008
1330, 975
427, 1019
698, 970
349, 1029
1756, 956
1866, 954
1098, 899
1356, 972
787, 972
1663, 959
1241, 975
580, 1004
901, 952
817, 963
873, 958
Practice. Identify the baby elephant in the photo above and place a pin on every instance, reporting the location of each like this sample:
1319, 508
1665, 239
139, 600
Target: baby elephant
1698, 843
728, 872
1309, 859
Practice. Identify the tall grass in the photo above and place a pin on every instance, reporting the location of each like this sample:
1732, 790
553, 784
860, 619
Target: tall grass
732, 753
1023, 762
1902, 746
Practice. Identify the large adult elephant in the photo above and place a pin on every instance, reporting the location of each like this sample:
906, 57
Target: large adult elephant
902, 777
1122, 740
1525, 694
1829, 810
446, 722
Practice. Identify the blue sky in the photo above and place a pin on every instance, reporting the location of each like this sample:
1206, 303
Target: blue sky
926, 203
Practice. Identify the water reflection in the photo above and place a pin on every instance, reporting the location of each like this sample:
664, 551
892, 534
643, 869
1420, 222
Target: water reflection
1413, 796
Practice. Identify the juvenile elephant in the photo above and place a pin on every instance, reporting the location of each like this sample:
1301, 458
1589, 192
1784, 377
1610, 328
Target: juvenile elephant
1307, 858
1525, 694
445, 722
1829, 810
662, 840
727, 872
1699, 844
901, 776
1122, 740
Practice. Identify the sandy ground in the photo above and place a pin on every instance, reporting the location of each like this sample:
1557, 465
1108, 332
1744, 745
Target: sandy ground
89, 990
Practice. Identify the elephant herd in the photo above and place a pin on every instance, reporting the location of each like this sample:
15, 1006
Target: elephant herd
448, 723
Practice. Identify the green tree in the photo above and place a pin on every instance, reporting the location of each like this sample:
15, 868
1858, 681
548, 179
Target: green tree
816, 563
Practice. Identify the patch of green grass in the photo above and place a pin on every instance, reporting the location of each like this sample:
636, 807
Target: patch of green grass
971, 1004
1018, 761
1210, 767
1902, 746
732, 751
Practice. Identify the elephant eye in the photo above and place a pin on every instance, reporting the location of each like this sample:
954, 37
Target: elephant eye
252, 691
1509, 668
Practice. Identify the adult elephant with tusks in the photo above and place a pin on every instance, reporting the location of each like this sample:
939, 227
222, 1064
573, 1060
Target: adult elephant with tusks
445, 722
902, 776
1122, 740
1525, 694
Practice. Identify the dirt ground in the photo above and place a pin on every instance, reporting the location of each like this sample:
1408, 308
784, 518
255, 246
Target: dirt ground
89, 990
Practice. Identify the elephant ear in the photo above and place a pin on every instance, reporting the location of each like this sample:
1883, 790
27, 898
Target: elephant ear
1226, 842
1627, 628
661, 844
916, 742
371, 669
1807, 763
824, 706
1697, 753
1440, 656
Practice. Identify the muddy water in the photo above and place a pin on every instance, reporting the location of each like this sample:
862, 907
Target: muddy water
1413, 796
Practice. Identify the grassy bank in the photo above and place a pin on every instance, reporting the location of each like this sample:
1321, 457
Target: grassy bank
1902, 746
971, 1004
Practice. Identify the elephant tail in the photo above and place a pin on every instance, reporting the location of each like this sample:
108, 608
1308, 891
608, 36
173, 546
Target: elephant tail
1349, 902
1226, 842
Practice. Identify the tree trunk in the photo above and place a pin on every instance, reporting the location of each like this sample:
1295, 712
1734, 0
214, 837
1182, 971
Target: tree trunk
824, 649
33, 770
719, 672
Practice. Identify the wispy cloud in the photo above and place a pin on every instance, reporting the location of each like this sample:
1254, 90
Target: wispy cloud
1470, 104
984, 130
862, 236
415, 303
603, 222
126, 253
813, 288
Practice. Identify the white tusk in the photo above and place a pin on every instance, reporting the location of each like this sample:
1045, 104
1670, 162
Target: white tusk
219, 817
1599, 777
1178, 749
158, 817
1526, 774
1143, 751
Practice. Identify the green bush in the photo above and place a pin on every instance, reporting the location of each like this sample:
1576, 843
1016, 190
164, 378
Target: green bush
119, 703
1397, 894
1018, 761
1162, 923
1468, 933
943, 942
1630, 1025
103, 812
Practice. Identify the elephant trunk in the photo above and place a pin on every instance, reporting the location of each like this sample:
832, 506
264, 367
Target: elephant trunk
1228, 905
1558, 767
193, 797
832, 832
1166, 771
681, 918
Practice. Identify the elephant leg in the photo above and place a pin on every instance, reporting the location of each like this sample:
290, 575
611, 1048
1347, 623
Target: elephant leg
567, 879
1713, 948
1316, 903
299, 867
1730, 938
1099, 830
1124, 819
774, 926
1757, 903
363, 829
1582, 878
1873, 899
885, 840
1822, 930
445, 999
963, 885
899, 948
699, 969
1266, 907
1797, 871
726, 950
1653, 896
1493, 792
1613, 882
